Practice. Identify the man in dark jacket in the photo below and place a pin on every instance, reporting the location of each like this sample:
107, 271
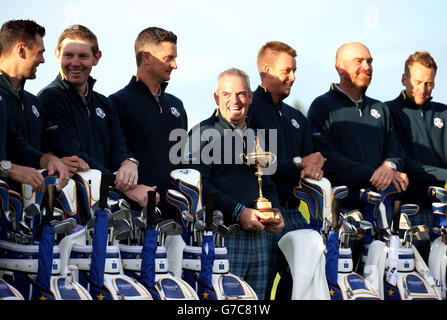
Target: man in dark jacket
420, 124
355, 132
84, 123
22, 47
223, 137
293, 145
148, 114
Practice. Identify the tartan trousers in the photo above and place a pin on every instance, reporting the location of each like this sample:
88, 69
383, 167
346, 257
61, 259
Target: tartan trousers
248, 258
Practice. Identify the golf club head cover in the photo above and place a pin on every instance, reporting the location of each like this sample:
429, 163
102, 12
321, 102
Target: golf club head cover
437, 194
189, 183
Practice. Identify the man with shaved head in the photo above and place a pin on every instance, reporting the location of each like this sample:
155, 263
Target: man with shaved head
355, 132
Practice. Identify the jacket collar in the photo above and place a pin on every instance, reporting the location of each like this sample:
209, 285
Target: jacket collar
6, 85
405, 100
266, 96
141, 84
217, 116
335, 88
62, 82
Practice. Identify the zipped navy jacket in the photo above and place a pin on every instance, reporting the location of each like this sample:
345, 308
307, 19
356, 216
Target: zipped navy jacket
147, 125
28, 119
89, 130
422, 133
233, 183
294, 138
354, 137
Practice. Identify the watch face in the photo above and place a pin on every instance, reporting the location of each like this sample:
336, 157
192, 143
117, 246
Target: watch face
298, 161
5, 165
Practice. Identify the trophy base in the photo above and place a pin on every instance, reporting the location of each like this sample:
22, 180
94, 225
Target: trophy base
267, 216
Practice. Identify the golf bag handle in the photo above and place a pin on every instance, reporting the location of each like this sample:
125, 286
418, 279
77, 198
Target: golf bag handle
396, 217
49, 205
209, 208
150, 209
104, 190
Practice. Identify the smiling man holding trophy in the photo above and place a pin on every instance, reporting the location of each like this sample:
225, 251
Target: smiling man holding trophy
228, 154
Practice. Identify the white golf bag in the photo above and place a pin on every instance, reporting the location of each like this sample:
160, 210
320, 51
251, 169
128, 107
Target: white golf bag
396, 268
319, 258
187, 198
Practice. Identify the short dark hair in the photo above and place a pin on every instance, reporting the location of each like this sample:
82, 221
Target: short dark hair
422, 57
79, 32
14, 31
151, 36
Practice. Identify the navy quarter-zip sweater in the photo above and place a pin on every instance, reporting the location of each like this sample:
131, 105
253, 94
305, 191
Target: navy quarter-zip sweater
354, 137
234, 184
422, 133
28, 119
294, 138
90, 130
147, 125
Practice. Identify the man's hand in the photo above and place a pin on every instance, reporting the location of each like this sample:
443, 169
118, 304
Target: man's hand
27, 175
249, 220
276, 228
55, 165
75, 164
382, 177
311, 167
139, 194
127, 176
400, 181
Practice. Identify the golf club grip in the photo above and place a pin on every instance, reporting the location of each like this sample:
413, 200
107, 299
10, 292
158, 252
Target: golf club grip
104, 190
396, 216
209, 208
150, 208
49, 204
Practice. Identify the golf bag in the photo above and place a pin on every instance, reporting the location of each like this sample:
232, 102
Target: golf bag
205, 265
323, 248
148, 262
395, 267
437, 260
34, 269
98, 258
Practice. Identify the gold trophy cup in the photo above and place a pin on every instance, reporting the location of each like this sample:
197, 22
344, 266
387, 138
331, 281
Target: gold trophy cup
259, 158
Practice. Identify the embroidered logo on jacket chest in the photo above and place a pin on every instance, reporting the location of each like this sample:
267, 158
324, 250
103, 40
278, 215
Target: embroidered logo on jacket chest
375, 113
295, 123
175, 112
438, 122
100, 113
35, 111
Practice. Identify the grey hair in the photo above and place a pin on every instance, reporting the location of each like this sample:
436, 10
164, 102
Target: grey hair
236, 73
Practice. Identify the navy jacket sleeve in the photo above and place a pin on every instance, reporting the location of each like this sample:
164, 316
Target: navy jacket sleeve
119, 151
62, 136
337, 165
25, 154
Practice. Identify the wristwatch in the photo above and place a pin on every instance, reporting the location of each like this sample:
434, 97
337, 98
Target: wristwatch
5, 166
391, 164
134, 161
298, 161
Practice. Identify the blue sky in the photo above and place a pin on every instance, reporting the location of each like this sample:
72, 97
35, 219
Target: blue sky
216, 35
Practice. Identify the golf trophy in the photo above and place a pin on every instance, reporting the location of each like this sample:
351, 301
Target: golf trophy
261, 159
